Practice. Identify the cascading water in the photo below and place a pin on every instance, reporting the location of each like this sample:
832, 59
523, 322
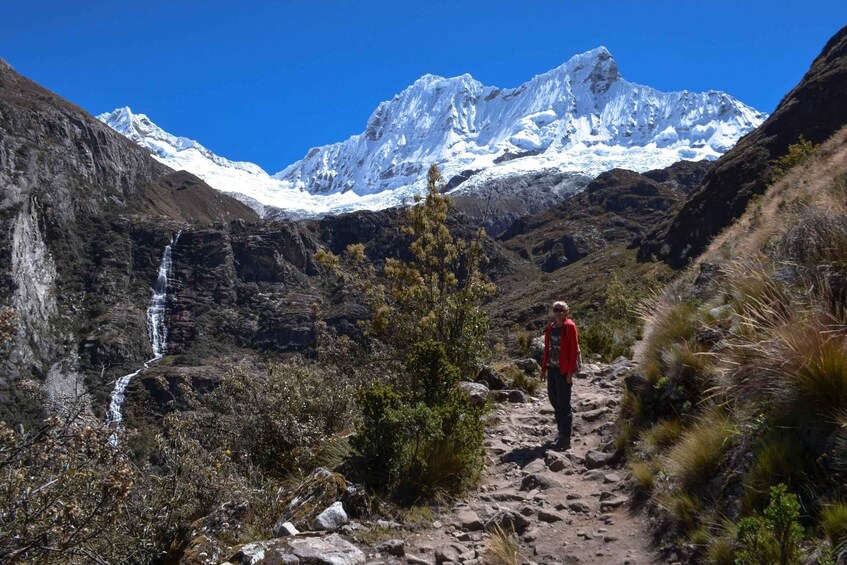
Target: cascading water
157, 331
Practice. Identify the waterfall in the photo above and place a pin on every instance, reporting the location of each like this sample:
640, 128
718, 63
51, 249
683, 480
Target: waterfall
157, 331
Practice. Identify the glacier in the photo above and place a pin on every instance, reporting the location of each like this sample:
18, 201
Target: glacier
580, 117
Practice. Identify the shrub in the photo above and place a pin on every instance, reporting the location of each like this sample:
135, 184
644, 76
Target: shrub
327, 259
356, 252
601, 339
797, 154
437, 295
278, 419
423, 439
524, 382
8, 325
696, 456
775, 536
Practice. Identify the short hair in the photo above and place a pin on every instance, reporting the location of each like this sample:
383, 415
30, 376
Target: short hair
563, 304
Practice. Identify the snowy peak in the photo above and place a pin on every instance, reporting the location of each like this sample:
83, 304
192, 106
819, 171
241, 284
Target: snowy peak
580, 117
462, 124
140, 129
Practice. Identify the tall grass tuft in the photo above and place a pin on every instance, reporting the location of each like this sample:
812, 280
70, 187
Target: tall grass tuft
780, 459
672, 322
644, 476
700, 449
683, 508
834, 523
661, 436
814, 372
502, 549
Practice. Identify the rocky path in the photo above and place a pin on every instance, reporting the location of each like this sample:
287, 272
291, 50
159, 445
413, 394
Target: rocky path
565, 507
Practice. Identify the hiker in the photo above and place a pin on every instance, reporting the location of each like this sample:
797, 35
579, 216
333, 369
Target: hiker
561, 352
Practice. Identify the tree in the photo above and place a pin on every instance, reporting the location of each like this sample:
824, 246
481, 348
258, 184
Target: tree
437, 295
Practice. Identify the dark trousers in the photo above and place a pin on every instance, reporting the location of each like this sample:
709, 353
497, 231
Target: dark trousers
559, 393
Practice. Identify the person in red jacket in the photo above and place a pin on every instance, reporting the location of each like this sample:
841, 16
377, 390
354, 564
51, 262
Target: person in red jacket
558, 367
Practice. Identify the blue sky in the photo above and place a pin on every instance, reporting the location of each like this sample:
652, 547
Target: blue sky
265, 81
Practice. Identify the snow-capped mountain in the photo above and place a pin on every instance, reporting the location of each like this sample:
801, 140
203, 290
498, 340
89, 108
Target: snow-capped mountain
581, 117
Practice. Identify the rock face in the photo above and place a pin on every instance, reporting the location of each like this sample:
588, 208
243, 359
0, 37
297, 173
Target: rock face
616, 208
812, 109
79, 259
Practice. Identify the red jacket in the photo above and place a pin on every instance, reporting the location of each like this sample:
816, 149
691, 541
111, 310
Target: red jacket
568, 350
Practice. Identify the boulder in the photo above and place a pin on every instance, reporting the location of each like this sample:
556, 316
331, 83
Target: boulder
317, 492
597, 459
529, 366
508, 521
268, 552
491, 378
515, 396
478, 392
331, 519
468, 520
538, 481
395, 547
329, 550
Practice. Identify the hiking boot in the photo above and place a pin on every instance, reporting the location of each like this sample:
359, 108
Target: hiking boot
562, 443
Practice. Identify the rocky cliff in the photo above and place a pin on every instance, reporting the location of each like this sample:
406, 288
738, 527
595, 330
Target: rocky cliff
84, 215
813, 109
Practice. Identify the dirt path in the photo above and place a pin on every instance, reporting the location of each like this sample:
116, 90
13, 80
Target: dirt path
567, 507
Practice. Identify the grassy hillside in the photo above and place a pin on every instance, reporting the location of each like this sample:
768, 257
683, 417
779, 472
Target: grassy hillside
744, 379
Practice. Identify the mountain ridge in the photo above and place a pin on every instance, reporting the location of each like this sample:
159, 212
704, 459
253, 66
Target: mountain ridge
580, 117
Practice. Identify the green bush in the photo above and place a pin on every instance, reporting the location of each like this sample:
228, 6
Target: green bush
423, 438
775, 536
797, 154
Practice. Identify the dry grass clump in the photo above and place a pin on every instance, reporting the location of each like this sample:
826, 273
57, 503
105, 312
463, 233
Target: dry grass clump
700, 449
502, 549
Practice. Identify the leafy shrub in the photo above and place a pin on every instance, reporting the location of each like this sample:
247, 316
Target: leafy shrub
602, 339
775, 536
279, 419
522, 381
422, 439
327, 259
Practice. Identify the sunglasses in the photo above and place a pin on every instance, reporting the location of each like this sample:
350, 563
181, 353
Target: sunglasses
558, 309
